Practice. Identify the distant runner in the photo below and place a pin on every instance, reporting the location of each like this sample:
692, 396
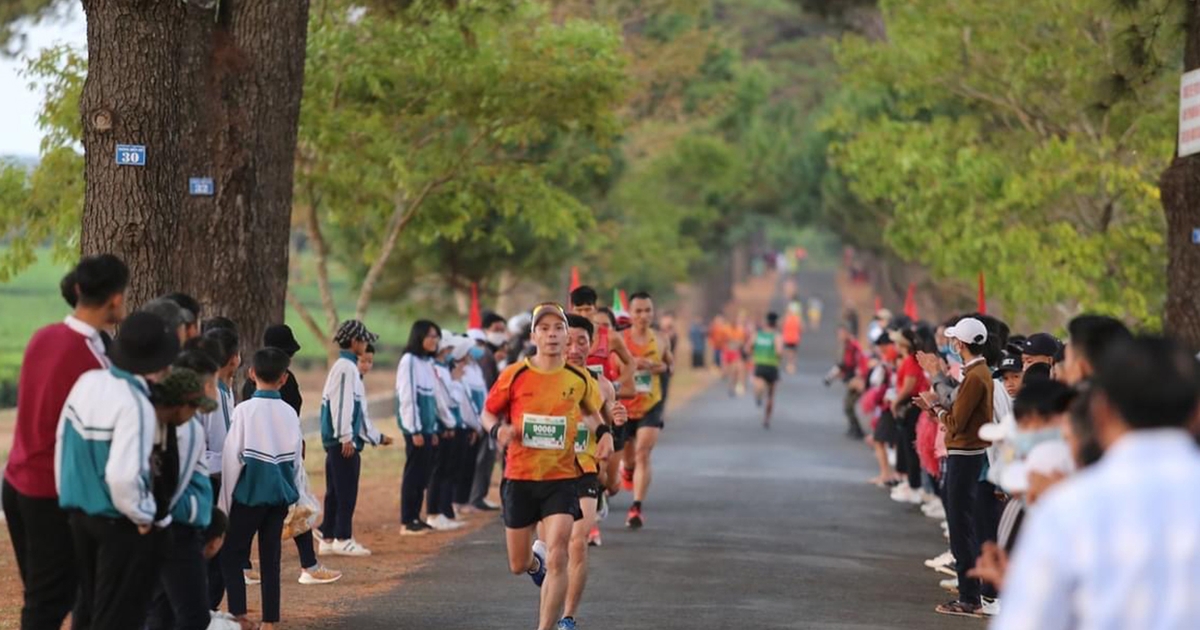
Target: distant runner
652, 358
793, 330
544, 400
768, 346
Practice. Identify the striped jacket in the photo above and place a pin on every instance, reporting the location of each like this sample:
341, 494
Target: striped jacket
476, 385
192, 502
261, 462
454, 420
422, 403
216, 426
102, 452
344, 406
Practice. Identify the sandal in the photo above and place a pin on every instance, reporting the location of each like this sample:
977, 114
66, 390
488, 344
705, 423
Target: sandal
960, 609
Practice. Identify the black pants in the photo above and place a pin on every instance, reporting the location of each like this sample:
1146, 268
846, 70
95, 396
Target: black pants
341, 494
117, 568
988, 510
216, 579
466, 468
907, 460
962, 495
180, 598
418, 464
244, 523
485, 464
41, 540
849, 404
440, 498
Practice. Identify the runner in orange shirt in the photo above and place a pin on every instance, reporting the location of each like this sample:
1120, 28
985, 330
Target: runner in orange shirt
793, 330
544, 400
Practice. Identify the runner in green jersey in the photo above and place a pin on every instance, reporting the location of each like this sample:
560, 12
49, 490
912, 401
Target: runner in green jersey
767, 348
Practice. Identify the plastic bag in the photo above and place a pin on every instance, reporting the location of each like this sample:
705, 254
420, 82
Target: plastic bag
302, 515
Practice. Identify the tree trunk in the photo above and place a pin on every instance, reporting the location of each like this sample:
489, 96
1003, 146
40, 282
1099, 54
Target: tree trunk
217, 98
1180, 188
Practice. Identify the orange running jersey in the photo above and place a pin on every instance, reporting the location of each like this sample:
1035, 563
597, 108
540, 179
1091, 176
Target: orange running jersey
545, 409
647, 386
792, 328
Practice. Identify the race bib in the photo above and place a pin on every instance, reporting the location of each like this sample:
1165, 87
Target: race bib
544, 432
581, 438
642, 382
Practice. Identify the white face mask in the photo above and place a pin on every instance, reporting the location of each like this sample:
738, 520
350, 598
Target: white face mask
497, 338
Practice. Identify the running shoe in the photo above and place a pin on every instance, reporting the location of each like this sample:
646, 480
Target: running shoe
350, 548
626, 479
594, 538
634, 519
539, 574
566, 623
319, 575
443, 524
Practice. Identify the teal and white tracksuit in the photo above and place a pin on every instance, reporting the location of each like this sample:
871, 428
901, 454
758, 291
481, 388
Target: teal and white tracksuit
192, 502
102, 452
344, 406
422, 402
216, 427
261, 462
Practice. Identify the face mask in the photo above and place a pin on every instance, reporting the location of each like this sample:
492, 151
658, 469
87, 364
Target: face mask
497, 338
476, 353
1024, 441
950, 353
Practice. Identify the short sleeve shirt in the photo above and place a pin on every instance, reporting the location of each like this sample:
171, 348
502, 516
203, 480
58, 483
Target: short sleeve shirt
545, 409
910, 367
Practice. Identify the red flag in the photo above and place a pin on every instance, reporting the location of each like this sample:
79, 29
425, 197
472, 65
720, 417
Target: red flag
474, 318
575, 283
878, 304
982, 300
624, 300
910, 302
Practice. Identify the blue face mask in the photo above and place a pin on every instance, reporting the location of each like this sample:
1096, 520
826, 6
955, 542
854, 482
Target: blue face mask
1024, 441
948, 352
476, 353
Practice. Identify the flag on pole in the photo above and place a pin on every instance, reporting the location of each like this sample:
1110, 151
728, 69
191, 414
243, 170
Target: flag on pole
878, 304
474, 317
624, 302
618, 301
575, 284
910, 302
982, 299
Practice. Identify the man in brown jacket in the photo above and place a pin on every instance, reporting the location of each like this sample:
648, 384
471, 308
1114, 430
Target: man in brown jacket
967, 455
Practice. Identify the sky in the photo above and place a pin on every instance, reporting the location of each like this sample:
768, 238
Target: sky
19, 133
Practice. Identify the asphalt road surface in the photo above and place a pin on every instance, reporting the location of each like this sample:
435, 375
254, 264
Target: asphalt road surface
745, 528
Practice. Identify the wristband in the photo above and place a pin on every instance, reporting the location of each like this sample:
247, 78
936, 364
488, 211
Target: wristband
602, 431
495, 431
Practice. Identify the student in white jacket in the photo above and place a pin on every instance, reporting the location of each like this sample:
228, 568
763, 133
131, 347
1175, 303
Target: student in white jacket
102, 471
262, 471
421, 403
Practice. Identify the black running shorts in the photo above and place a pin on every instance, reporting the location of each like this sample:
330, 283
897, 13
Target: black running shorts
768, 373
526, 503
652, 420
589, 486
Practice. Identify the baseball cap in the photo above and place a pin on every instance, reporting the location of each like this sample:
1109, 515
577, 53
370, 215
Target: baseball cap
477, 335
182, 387
968, 330
354, 330
144, 345
548, 308
1010, 363
280, 336
1041, 345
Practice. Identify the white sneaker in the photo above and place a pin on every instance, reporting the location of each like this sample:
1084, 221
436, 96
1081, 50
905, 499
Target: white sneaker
934, 510
319, 575
443, 524
325, 548
950, 584
940, 561
905, 494
349, 548
492, 506
990, 608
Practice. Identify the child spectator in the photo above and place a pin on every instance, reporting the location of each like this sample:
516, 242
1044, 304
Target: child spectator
262, 470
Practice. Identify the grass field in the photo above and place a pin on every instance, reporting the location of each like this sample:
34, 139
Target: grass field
31, 300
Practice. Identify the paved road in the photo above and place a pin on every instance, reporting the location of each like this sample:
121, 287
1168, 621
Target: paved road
744, 529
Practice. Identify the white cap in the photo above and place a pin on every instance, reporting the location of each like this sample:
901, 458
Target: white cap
518, 323
997, 431
477, 335
968, 330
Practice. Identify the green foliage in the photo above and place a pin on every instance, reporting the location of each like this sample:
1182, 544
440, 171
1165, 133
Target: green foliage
45, 206
1002, 147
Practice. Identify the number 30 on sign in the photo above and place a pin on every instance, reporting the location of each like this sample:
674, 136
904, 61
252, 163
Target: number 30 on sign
131, 155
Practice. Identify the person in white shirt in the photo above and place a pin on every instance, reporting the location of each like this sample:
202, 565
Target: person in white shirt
1117, 546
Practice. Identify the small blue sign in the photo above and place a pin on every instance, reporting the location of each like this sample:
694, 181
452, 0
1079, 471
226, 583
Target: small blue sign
131, 155
201, 186
1196, 236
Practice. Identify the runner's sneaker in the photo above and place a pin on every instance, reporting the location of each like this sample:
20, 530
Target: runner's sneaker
566, 623
594, 538
349, 548
319, 575
252, 577
539, 553
634, 519
415, 528
626, 479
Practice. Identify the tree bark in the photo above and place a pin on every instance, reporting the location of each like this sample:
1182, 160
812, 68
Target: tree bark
1180, 188
209, 96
